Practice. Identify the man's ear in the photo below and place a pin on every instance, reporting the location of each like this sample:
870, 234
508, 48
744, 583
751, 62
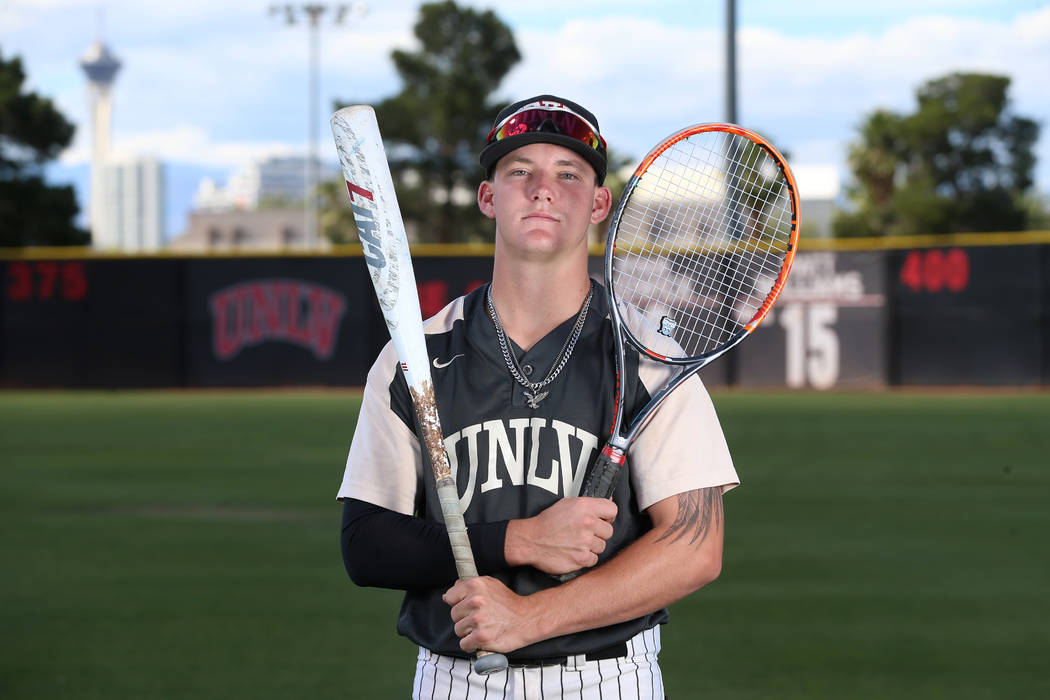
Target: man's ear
485, 199
602, 205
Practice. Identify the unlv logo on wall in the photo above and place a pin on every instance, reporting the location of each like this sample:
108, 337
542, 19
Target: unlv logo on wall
293, 311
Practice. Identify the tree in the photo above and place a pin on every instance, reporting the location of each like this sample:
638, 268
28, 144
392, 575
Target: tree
961, 162
334, 217
1038, 207
32, 132
435, 126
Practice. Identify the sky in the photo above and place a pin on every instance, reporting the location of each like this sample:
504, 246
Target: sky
209, 86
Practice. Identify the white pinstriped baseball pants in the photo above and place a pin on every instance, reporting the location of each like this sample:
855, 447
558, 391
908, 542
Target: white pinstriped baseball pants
634, 677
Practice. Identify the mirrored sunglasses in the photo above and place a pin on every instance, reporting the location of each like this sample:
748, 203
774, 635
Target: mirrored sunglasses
560, 121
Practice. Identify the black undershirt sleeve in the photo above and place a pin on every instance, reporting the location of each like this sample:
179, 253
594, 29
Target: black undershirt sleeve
387, 549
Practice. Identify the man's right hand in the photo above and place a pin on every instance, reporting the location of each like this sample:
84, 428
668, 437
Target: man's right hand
566, 537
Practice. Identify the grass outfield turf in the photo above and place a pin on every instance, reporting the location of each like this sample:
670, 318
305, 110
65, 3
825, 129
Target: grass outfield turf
178, 545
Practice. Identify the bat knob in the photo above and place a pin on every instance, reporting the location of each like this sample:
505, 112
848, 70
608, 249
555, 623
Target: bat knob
490, 663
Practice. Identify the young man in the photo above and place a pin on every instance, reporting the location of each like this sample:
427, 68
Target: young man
524, 378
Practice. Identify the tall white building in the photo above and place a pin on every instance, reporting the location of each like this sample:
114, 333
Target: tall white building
131, 211
100, 66
127, 194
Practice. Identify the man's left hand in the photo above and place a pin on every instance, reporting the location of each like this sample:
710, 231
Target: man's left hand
488, 615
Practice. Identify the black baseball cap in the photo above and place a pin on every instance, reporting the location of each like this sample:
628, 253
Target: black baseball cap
546, 119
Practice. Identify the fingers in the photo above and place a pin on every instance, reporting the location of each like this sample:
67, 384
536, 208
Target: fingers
603, 529
586, 555
458, 598
599, 521
484, 615
466, 597
456, 594
603, 508
566, 536
593, 514
463, 630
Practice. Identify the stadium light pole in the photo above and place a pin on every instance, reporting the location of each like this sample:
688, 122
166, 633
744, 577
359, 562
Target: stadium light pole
730, 77
313, 13
732, 369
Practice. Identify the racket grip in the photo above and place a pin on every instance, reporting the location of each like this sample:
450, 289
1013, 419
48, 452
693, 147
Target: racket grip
600, 483
602, 477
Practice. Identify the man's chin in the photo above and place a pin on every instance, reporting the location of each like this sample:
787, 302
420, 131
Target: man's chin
542, 246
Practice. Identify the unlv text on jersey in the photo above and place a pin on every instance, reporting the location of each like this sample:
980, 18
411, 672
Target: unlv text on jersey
549, 454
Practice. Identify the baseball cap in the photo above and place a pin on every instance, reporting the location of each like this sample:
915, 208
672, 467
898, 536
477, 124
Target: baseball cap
545, 119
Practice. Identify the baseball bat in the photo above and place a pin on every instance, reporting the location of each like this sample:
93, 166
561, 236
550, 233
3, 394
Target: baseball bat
385, 248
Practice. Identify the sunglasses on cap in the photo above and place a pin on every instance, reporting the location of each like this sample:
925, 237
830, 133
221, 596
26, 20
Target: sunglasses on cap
552, 118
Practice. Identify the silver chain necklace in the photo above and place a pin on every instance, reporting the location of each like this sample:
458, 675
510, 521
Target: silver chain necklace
533, 395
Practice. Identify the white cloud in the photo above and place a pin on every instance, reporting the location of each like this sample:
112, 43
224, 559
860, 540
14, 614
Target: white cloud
212, 80
185, 143
642, 78
645, 78
220, 97
817, 181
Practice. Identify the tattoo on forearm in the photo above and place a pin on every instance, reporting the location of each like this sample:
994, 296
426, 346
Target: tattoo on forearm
699, 513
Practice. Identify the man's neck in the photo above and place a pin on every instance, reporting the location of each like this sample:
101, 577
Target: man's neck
533, 300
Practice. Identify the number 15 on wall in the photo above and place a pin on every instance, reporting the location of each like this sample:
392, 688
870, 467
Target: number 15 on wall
812, 348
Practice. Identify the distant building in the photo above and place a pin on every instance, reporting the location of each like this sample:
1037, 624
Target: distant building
100, 67
127, 194
275, 182
129, 205
233, 230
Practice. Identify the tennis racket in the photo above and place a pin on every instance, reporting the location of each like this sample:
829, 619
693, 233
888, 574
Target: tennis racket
699, 247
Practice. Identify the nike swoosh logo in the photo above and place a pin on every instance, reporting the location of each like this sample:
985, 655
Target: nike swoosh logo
443, 365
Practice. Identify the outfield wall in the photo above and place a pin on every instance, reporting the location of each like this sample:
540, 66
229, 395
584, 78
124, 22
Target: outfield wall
946, 310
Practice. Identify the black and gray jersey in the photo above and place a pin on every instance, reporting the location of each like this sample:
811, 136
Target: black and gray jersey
513, 461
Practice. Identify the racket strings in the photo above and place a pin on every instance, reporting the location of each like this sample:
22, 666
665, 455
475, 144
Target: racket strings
700, 243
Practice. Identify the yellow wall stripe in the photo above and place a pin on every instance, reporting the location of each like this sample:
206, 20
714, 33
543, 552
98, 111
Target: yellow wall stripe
448, 250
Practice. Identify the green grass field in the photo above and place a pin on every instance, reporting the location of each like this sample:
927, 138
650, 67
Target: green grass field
185, 545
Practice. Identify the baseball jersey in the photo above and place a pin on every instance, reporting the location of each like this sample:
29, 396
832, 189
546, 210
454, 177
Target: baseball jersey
513, 461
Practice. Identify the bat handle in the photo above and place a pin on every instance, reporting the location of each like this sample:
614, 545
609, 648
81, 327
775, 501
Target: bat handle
600, 483
490, 662
487, 661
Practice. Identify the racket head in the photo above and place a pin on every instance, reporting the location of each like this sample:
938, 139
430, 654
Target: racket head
701, 242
